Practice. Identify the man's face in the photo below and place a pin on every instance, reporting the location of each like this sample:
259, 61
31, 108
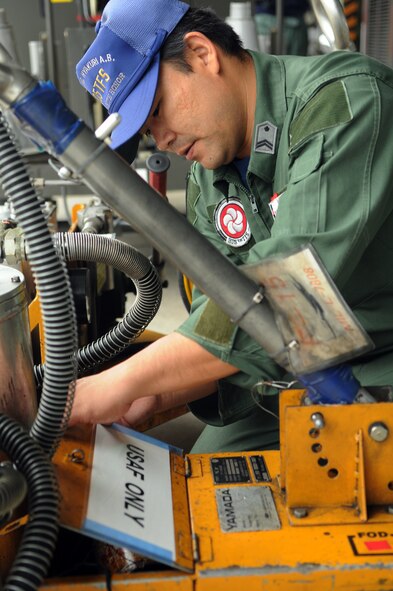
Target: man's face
197, 116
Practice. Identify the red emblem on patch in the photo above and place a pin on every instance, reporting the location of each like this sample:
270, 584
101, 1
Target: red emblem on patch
231, 222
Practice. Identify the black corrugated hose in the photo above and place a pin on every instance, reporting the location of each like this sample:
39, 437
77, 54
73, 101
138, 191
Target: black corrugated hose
13, 489
40, 534
55, 293
122, 256
31, 454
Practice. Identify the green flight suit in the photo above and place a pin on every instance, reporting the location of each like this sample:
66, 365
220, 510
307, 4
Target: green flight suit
328, 120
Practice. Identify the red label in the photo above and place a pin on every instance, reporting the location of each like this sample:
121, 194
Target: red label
378, 545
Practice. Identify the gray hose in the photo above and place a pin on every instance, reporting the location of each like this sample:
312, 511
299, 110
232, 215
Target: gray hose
122, 256
55, 297
13, 489
40, 535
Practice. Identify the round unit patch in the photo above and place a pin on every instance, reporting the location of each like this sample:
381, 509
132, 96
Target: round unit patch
231, 222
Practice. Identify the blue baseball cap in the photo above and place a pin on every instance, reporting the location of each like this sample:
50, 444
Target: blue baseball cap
121, 66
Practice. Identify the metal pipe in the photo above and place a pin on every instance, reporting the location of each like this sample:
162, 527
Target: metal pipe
332, 22
279, 27
158, 166
50, 47
7, 38
14, 80
168, 231
37, 59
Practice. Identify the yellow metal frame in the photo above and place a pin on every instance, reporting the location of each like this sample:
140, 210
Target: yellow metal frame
346, 536
351, 473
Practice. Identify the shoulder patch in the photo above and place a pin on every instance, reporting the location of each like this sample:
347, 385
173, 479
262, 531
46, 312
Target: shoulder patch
215, 325
328, 108
265, 138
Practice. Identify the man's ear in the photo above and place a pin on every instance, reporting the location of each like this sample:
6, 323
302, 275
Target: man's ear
201, 51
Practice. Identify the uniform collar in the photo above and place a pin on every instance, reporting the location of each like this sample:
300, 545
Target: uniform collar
271, 107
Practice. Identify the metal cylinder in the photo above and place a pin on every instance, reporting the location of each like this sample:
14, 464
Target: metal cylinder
331, 19
7, 38
17, 387
37, 59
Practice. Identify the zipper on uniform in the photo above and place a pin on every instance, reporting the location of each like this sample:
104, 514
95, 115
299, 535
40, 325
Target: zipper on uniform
251, 198
253, 202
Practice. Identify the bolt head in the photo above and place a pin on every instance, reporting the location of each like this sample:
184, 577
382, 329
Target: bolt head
300, 512
318, 420
64, 173
378, 431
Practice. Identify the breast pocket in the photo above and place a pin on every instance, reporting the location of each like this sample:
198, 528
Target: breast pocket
305, 158
302, 204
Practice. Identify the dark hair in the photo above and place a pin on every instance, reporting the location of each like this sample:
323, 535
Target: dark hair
206, 21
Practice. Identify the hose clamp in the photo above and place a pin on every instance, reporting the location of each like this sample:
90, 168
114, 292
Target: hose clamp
255, 300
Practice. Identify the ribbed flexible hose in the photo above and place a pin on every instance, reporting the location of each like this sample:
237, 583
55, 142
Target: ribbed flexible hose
13, 489
122, 256
40, 535
55, 298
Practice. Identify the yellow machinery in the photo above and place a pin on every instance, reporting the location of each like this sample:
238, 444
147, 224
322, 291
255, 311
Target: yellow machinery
316, 515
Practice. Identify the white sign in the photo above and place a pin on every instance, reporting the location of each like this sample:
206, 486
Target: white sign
130, 497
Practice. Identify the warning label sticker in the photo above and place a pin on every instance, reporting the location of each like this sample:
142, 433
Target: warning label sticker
246, 508
372, 543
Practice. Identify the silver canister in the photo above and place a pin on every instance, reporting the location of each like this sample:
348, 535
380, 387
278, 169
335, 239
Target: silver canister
18, 397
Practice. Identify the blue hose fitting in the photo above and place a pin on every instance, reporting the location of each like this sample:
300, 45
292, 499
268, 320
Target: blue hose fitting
336, 385
51, 123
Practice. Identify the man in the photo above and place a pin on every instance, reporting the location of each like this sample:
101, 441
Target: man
287, 150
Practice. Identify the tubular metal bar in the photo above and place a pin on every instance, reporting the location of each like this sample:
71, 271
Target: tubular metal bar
166, 229
279, 27
15, 82
50, 43
331, 19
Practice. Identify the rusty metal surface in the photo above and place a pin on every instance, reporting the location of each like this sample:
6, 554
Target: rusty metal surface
73, 461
